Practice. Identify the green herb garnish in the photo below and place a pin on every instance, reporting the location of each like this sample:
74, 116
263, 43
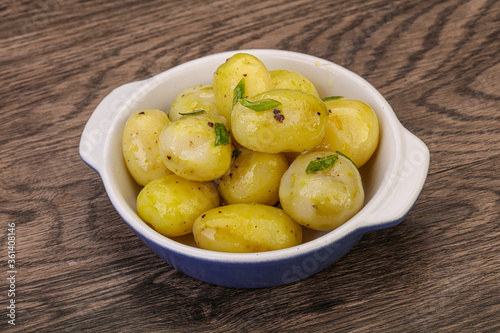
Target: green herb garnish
222, 136
236, 153
331, 98
239, 91
193, 112
321, 163
261, 105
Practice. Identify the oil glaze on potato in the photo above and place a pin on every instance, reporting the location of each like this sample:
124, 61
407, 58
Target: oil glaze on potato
253, 177
325, 199
246, 228
229, 74
171, 204
140, 145
200, 97
188, 147
352, 128
297, 125
285, 79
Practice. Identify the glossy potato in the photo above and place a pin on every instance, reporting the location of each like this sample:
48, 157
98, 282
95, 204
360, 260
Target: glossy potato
286, 79
323, 199
229, 74
171, 203
253, 177
140, 145
189, 147
200, 97
297, 125
352, 128
246, 228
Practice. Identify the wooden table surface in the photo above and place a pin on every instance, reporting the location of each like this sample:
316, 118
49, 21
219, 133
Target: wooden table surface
79, 268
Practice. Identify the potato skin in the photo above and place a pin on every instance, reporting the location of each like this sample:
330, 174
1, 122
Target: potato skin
321, 200
200, 97
297, 125
171, 203
187, 148
286, 79
245, 228
229, 74
253, 177
352, 128
140, 145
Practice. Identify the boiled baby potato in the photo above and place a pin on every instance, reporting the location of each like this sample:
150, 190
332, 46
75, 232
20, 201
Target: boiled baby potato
286, 79
321, 190
229, 74
253, 177
352, 128
246, 228
140, 145
197, 147
171, 204
297, 124
200, 97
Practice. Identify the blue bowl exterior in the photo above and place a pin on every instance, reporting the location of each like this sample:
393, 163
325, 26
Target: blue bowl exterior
262, 274
256, 275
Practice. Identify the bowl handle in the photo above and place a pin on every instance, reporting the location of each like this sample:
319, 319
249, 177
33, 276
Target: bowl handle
97, 128
410, 178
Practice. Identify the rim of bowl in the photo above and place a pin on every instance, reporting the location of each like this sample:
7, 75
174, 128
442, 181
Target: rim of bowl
353, 225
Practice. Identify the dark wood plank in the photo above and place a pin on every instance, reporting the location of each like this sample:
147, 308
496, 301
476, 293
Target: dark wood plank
80, 268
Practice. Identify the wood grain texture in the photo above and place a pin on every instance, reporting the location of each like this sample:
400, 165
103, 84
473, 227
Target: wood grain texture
81, 269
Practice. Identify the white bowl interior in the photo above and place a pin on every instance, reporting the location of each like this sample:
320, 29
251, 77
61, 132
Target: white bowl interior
329, 79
